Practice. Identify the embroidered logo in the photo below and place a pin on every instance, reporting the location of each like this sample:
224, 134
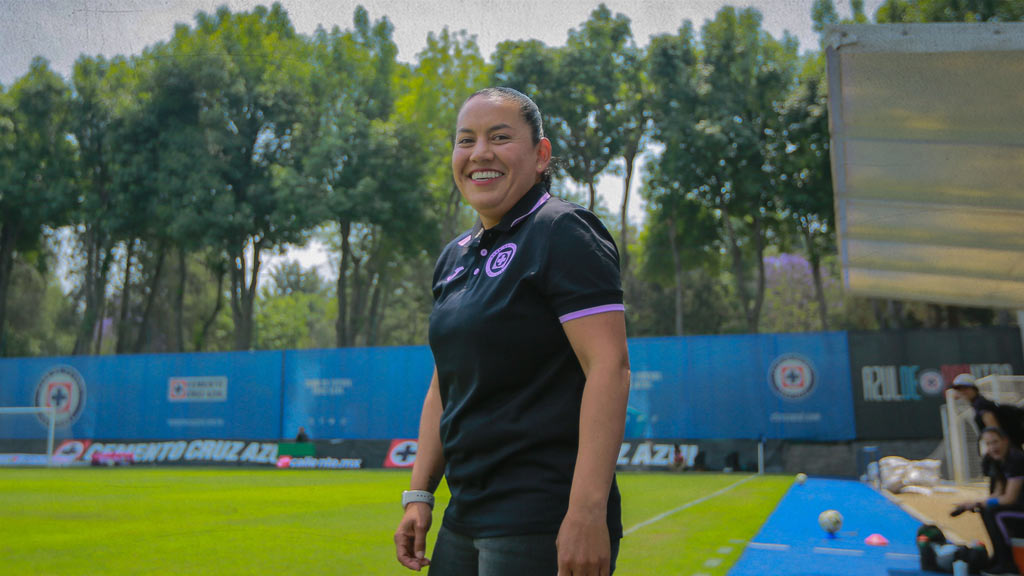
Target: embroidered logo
454, 274
500, 259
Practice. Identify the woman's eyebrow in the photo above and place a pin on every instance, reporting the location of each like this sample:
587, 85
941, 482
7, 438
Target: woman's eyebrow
494, 128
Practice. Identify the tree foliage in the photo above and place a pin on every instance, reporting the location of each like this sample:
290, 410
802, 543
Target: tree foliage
141, 197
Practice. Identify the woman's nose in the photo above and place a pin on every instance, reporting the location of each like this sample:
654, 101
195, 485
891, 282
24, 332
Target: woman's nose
481, 151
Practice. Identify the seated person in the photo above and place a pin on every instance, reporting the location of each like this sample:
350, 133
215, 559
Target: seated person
1004, 466
302, 436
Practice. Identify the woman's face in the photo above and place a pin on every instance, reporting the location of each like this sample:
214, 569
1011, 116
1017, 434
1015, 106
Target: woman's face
995, 445
495, 161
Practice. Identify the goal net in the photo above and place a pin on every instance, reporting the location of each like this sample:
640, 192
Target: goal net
26, 446
960, 433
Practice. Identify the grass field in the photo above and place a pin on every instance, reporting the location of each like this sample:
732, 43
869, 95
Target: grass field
241, 521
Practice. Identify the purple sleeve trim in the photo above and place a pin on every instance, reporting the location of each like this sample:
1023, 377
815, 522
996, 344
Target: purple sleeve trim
591, 311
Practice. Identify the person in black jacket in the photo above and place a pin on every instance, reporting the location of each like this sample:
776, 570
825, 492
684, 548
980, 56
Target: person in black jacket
1004, 508
989, 414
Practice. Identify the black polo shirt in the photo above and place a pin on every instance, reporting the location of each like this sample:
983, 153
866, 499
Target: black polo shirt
510, 382
1012, 466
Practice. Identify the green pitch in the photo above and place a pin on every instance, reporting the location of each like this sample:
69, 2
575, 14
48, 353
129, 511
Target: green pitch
243, 521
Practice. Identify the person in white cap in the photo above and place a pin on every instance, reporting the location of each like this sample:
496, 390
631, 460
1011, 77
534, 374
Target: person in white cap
988, 414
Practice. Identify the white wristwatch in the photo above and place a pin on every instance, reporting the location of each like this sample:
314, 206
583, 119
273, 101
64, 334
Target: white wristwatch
410, 496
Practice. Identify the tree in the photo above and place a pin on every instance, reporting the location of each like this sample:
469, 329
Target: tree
366, 166
804, 177
101, 90
36, 159
950, 11
674, 212
295, 311
447, 71
254, 75
676, 219
744, 75
590, 105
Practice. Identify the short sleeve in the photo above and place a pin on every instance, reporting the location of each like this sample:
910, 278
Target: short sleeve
1014, 464
582, 272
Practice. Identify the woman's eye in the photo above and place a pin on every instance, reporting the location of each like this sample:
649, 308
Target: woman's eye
500, 137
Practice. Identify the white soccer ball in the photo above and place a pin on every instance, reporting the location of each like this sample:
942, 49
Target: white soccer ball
830, 521
801, 478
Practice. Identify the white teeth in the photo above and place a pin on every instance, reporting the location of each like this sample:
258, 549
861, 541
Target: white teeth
486, 174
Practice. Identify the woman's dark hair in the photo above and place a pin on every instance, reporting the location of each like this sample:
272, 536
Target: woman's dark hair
531, 115
995, 430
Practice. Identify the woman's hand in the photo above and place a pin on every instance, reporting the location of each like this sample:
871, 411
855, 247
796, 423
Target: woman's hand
584, 548
411, 536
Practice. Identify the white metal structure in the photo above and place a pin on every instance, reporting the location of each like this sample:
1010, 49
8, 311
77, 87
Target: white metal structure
51, 414
960, 432
927, 127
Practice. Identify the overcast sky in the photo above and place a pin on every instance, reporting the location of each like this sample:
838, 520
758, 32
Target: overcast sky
61, 30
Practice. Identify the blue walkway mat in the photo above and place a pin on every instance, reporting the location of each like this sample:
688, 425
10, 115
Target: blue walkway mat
792, 544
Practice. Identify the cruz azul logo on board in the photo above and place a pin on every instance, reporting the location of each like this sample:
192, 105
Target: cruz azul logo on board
63, 389
792, 377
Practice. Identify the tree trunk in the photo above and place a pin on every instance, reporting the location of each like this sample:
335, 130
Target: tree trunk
739, 273
243, 289
628, 158
8, 234
819, 287
451, 215
341, 325
200, 341
83, 338
355, 316
373, 320
759, 243
126, 290
593, 194
154, 287
179, 303
378, 304
99, 255
677, 269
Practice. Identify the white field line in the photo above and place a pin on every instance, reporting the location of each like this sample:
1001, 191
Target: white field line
689, 504
901, 556
838, 551
765, 546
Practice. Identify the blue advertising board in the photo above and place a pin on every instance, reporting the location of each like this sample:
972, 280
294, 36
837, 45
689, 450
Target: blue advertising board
357, 393
792, 386
151, 396
771, 386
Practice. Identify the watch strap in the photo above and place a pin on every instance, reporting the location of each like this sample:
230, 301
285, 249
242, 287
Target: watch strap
410, 496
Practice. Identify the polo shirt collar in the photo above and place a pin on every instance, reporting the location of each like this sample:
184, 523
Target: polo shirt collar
528, 204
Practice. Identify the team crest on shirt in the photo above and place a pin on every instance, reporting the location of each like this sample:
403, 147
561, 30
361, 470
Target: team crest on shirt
500, 259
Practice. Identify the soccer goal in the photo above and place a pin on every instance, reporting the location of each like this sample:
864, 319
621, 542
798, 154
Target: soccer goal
960, 433
49, 413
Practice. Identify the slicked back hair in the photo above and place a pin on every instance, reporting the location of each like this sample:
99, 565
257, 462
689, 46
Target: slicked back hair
530, 113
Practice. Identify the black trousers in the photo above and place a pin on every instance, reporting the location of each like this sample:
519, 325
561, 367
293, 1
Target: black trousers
528, 555
1002, 524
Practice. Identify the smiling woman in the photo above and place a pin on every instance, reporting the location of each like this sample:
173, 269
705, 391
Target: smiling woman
525, 412
500, 153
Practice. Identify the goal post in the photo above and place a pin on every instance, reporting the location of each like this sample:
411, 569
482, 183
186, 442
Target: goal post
962, 436
50, 412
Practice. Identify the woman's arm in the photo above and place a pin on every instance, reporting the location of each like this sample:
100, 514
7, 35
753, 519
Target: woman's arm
599, 342
1010, 493
411, 536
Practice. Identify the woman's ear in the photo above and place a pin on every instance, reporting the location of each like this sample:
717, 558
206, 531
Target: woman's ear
543, 155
